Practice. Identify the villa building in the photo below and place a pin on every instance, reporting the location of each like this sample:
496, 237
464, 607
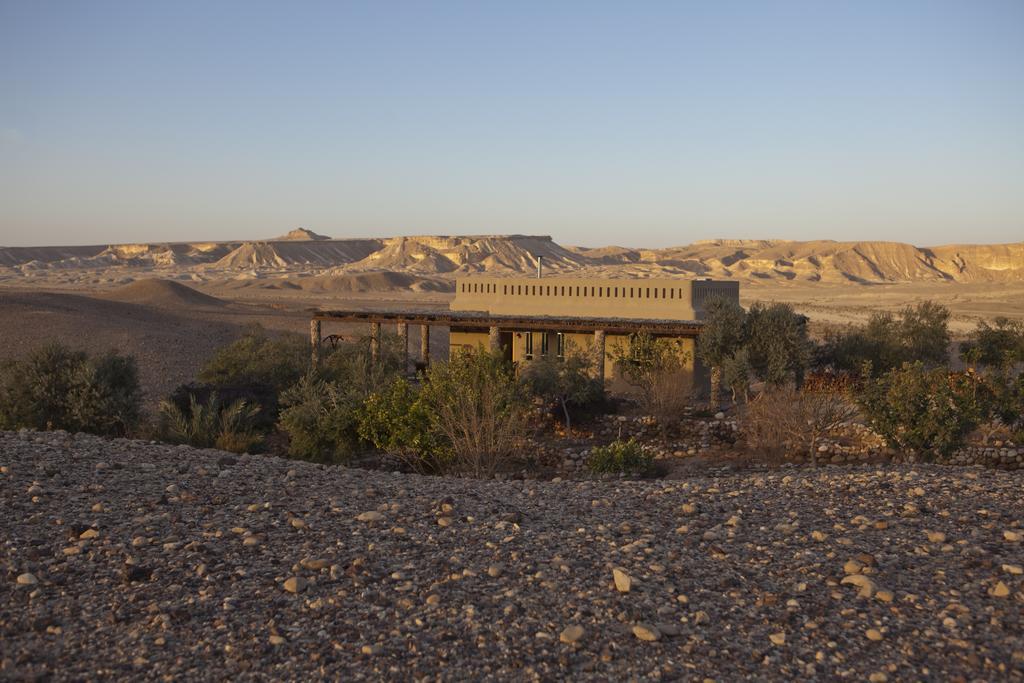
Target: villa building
529, 318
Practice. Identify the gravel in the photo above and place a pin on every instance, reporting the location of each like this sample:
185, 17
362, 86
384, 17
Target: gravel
124, 559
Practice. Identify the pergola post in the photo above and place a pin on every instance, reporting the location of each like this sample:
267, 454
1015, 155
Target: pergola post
314, 341
374, 342
403, 334
599, 354
425, 344
494, 338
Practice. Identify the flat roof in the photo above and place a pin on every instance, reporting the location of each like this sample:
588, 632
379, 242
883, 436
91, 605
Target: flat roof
513, 322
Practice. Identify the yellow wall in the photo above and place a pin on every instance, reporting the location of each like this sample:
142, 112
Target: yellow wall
576, 342
649, 299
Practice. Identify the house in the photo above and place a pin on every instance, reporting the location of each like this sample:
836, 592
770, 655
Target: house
529, 318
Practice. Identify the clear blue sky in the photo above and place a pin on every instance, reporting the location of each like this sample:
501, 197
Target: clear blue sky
634, 123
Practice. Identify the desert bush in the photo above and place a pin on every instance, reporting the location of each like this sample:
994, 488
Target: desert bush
321, 412
659, 369
479, 409
783, 421
998, 345
569, 384
925, 410
619, 457
352, 364
397, 421
56, 388
257, 359
721, 338
919, 334
211, 424
321, 419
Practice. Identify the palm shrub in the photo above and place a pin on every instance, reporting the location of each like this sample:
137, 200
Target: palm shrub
619, 457
211, 424
57, 388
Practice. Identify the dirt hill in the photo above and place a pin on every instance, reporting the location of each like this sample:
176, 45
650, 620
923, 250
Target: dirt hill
303, 234
164, 294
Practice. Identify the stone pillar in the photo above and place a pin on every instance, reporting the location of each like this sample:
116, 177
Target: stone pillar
314, 341
403, 334
599, 354
425, 344
494, 338
374, 341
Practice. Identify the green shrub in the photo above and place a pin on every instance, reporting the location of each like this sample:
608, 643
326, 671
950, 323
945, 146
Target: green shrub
397, 421
211, 424
257, 359
929, 411
659, 370
321, 419
619, 457
720, 340
999, 345
478, 408
567, 383
56, 388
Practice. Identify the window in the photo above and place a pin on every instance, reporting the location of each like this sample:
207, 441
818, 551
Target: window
560, 343
671, 293
547, 290
647, 292
504, 289
543, 343
528, 352
630, 292
616, 292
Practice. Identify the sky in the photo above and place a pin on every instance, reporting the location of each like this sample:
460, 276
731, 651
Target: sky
630, 123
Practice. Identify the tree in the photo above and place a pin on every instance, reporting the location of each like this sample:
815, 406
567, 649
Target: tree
999, 345
775, 337
720, 338
924, 332
736, 374
568, 382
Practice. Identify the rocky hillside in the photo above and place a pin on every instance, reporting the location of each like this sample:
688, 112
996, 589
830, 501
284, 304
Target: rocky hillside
130, 560
303, 251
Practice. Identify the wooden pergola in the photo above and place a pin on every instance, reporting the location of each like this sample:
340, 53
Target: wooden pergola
494, 324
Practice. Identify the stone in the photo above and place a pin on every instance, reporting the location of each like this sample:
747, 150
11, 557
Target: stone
819, 536
295, 584
314, 564
444, 521
89, 533
853, 567
277, 640
27, 579
571, 634
866, 585
1013, 536
371, 516
646, 632
873, 634
1013, 569
1000, 590
936, 537
778, 638
623, 581
297, 523
495, 570
884, 595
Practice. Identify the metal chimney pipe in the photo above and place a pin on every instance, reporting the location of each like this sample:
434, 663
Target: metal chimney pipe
540, 267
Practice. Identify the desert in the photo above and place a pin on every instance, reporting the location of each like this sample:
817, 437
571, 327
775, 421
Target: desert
432, 341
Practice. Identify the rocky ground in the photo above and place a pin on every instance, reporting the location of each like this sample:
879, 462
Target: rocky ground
123, 559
